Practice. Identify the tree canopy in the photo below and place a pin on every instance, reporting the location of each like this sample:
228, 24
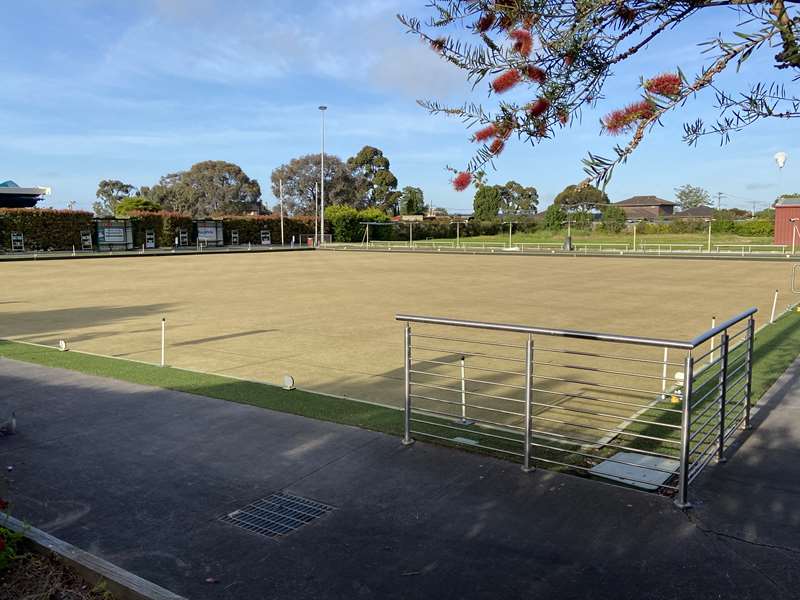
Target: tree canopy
412, 201
301, 179
375, 184
690, 196
487, 202
208, 188
111, 192
581, 198
562, 55
518, 199
136, 204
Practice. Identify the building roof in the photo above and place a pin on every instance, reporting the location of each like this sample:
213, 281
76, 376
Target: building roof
788, 201
695, 212
638, 212
644, 201
13, 196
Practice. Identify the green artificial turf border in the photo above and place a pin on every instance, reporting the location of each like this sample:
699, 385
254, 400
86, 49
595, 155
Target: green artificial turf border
297, 402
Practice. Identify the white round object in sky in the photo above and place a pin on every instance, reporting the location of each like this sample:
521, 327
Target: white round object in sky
780, 159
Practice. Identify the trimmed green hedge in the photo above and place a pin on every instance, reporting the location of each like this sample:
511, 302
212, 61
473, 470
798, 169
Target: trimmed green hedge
755, 228
44, 228
164, 224
249, 228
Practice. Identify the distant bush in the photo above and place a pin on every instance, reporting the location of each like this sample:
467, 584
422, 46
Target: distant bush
613, 218
756, 228
44, 228
554, 217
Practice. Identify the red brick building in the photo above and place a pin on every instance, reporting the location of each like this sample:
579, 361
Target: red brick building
785, 210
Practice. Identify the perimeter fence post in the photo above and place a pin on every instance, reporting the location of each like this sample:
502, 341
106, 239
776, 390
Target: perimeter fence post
751, 326
682, 501
407, 439
528, 400
723, 389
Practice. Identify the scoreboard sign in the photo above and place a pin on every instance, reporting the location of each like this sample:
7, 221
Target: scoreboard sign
114, 233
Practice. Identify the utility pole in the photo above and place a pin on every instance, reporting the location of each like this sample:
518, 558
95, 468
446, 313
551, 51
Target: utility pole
719, 200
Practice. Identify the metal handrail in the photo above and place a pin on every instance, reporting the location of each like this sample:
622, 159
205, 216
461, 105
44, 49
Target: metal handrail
582, 335
567, 333
709, 401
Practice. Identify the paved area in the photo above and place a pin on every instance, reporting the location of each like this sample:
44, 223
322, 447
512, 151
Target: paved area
139, 476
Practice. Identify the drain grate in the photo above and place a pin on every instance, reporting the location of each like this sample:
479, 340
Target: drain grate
277, 515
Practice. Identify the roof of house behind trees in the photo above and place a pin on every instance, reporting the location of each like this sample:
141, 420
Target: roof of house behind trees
644, 201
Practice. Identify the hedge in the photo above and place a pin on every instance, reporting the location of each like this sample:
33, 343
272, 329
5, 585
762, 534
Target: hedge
49, 229
753, 228
164, 224
345, 222
249, 228
44, 228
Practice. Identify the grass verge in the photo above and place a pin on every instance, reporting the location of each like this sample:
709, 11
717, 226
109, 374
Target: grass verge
306, 404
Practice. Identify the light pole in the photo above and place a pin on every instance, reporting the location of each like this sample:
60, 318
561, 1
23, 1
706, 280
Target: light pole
793, 221
280, 188
322, 109
708, 249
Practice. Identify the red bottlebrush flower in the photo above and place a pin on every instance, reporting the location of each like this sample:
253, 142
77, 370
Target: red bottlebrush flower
563, 116
624, 119
523, 42
462, 181
539, 107
569, 58
497, 146
529, 21
505, 22
536, 74
485, 23
626, 14
506, 81
3, 504
438, 44
666, 84
541, 130
484, 134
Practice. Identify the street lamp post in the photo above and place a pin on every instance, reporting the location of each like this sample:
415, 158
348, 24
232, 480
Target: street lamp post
322, 109
709, 235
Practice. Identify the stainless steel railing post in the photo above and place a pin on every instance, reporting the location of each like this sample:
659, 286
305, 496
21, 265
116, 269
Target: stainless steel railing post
407, 439
751, 326
526, 466
723, 388
682, 501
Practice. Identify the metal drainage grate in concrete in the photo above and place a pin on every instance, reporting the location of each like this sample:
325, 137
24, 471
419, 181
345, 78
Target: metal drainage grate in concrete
277, 515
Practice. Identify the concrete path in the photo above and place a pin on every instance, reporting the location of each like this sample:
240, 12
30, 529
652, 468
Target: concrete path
139, 476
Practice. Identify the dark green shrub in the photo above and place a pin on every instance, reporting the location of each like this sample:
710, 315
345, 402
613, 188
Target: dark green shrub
44, 228
554, 217
756, 228
249, 228
613, 218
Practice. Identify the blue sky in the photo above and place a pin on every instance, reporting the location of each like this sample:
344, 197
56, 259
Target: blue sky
135, 89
